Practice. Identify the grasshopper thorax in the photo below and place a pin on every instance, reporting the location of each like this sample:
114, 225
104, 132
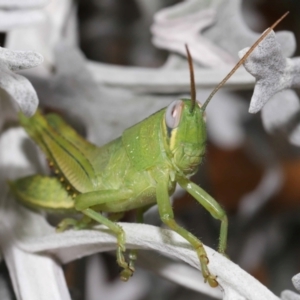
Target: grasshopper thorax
185, 127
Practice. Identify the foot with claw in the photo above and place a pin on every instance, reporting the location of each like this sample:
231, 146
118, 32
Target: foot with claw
126, 273
212, 280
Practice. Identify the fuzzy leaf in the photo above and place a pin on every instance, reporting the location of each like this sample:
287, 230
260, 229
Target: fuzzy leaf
17, 87
272, 71
289, 295
172, 33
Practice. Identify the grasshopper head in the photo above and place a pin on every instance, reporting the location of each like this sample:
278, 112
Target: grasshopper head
184, 119
185, 125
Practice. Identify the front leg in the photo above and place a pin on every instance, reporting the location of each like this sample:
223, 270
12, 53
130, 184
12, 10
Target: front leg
84, 202
211, 205
133, 252
119, 232
167, 216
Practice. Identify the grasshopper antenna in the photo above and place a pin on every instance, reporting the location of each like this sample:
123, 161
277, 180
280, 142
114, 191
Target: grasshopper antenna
242, 60
192, 78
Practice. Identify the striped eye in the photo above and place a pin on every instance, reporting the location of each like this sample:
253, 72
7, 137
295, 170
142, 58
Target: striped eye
173, 114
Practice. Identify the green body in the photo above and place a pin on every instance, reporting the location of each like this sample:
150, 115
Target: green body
135, 171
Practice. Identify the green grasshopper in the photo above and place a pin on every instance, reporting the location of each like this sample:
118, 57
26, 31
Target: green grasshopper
133, 172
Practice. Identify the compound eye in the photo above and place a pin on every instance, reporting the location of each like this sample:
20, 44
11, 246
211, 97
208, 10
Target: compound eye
173, 114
